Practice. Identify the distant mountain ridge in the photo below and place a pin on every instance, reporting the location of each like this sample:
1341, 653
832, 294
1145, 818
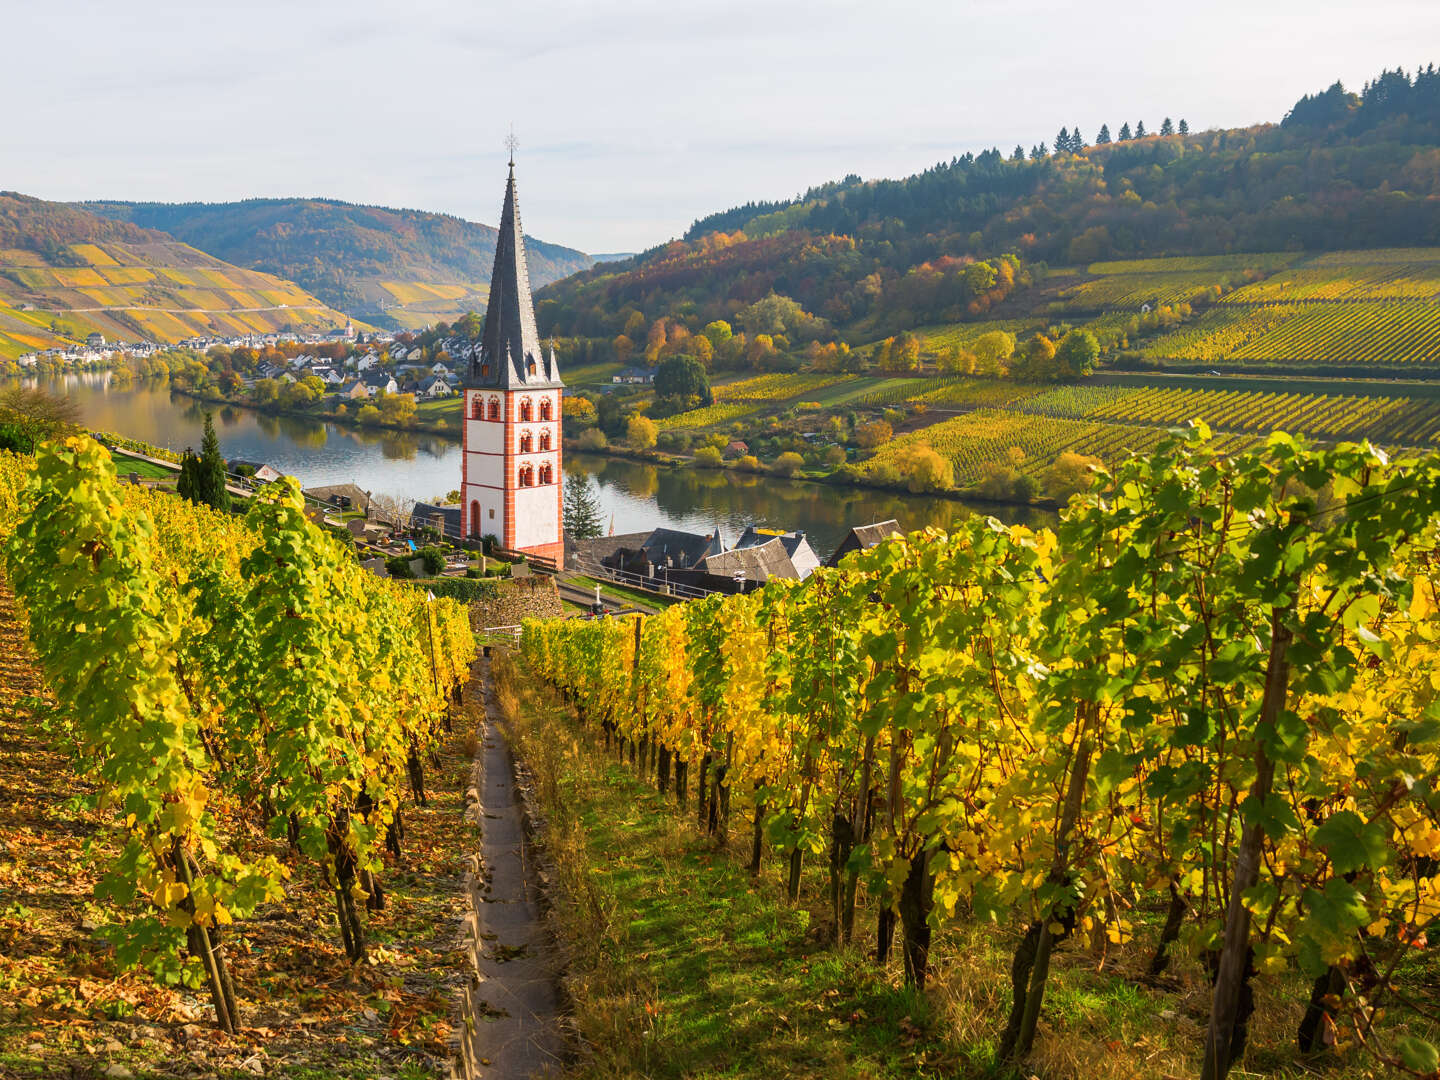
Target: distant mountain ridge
66, 274
392, 267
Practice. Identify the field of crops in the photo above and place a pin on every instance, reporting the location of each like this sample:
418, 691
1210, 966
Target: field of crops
708, 417
1394, 335
1382, 281
939, 339
1135, 290
776, 386
1265, 261
977, 438
1218, 332
969, 393
1392, 420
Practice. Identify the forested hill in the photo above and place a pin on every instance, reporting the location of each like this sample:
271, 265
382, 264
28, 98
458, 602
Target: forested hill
401, 267
1340, 170
66, 274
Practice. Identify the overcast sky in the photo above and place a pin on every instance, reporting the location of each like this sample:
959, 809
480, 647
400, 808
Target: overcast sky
634, 116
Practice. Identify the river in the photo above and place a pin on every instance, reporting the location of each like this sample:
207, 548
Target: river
633, 496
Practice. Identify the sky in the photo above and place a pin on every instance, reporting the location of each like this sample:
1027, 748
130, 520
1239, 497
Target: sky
634, 117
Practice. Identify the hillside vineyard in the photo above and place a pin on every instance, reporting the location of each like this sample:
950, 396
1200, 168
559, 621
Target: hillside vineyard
1209, 691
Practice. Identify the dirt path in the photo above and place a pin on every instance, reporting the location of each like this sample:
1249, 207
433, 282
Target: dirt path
515, 1033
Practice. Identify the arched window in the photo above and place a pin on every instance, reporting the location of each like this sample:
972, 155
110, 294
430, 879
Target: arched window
544, 441
475, 519
545, 409
547, 475
477, 408
526, 413
494, 408
531, 367
527, 476
527, 442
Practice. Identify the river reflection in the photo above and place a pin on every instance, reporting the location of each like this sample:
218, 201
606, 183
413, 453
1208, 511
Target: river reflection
634, 496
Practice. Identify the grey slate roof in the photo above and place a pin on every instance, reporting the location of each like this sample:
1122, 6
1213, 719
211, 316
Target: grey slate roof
510, 356
759, 563
685, 549
863, 537
802, 556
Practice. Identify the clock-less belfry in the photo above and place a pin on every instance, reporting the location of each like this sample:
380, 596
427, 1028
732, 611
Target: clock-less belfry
511, 481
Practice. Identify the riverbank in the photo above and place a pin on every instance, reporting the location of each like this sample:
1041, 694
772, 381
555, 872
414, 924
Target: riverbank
831, 478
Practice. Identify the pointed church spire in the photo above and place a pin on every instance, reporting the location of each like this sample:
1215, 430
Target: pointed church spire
510, 356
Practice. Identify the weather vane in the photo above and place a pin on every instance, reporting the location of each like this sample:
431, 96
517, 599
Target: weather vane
511, 142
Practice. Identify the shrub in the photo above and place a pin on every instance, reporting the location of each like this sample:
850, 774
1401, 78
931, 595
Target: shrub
641, 432
835, 455
788, 463
748, 463
708, 457
593, 439
398, 566
869, 436
433, 559
929, 472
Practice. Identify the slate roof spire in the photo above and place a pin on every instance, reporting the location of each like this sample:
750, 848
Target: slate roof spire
510, 356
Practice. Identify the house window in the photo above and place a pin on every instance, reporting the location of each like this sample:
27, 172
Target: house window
484, 371
547, 475
526, 413
475, 518
545, 440
531, 367
527, 476
527, 443
492, 513
494, 408
477, 409
545, 409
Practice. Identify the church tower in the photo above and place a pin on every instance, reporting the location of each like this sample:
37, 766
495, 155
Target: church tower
511, 480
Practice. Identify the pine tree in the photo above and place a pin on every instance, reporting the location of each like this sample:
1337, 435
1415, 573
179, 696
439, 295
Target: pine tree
1166, 127
1125, 135
1077, 141
1062, 141
1184, 127
1103, 136
1038, 152
582, 509
1140, 130
211, 468
1019, 154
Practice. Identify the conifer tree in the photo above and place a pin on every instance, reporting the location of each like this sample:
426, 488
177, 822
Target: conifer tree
188, 485
1038, 152
1103, 136
1184, 127
1019, 154
212, 469
582, 509
1062, 141
1125, 135
1140, 130
1077, 141
1166, 127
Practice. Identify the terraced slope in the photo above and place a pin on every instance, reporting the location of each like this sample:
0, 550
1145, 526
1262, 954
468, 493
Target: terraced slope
65, 274
395, 268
